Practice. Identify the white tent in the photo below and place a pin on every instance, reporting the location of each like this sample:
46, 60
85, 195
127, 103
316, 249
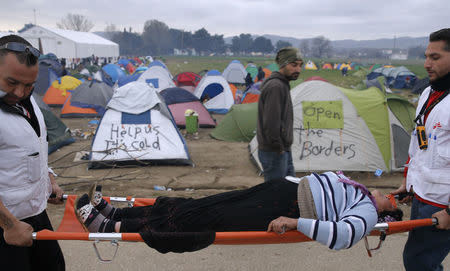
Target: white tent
137, 128
215, 92
235, 72
158, 76
344, 129
70, 44
5, 33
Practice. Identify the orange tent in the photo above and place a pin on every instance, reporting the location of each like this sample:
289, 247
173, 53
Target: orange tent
250, 98
70, 111
327, 66
237, 94
55, 96
267, 73
57, 93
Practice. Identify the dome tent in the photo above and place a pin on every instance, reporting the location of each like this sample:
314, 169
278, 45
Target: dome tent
344, 129
137, 129
214, 91
239, 124
157, 75
179, 100
396, 77
235, 72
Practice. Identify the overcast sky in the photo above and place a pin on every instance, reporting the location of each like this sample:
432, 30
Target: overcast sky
334, 19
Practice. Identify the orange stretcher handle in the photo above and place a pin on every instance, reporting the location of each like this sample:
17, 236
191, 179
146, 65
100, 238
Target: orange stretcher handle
86, 236
407, 225
52, 235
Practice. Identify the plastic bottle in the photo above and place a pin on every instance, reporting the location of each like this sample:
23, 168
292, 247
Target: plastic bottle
159, 187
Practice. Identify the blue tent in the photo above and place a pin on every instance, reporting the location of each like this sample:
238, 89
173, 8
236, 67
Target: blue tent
54, 64
114, 71
398, 77
157, 63
177, 95
141, 69
46, 76
129, 78
123, 62
213, 72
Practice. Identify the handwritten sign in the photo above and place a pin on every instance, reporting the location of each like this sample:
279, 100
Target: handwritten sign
323, 114
133, 138
313, 143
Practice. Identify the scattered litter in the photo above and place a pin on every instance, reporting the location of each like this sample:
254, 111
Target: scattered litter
378, 172
79, 133
76, 132
189, 189
87, 135
159, 187
93, 122
81, 155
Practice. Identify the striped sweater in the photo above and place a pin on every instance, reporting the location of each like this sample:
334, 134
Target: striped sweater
345, 214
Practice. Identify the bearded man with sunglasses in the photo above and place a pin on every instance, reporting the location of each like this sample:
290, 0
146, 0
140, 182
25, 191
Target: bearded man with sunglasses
26, 182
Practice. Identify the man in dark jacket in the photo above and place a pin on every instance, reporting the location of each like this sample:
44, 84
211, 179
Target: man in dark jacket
275, 116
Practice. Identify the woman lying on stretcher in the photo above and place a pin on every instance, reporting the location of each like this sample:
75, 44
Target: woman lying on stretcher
328, 208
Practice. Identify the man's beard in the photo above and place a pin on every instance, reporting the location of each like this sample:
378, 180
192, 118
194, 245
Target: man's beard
293, 76
442, 83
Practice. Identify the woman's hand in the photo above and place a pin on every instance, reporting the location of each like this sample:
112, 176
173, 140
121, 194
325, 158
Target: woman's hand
402, 191
282, 224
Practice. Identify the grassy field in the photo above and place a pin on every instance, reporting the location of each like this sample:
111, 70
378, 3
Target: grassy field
177, 64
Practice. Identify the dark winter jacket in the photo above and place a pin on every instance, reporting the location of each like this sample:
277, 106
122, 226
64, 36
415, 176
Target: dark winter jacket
275, 115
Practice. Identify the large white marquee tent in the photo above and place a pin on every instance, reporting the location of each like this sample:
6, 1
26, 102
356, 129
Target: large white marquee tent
70, 44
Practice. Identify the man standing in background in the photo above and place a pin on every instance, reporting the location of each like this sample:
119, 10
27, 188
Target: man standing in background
275, 116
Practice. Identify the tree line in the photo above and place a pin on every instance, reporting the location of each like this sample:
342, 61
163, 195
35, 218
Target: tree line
158, 38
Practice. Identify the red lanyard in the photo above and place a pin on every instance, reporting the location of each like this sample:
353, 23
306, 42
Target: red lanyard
432, 100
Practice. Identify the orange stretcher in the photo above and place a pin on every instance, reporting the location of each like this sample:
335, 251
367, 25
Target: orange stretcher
71, 229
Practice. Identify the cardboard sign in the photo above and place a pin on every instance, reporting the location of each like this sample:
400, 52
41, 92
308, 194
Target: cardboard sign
323, 114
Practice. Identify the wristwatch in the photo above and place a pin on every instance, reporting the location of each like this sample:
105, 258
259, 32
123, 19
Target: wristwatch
447, 210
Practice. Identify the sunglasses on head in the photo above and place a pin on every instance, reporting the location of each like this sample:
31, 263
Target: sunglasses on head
20, 47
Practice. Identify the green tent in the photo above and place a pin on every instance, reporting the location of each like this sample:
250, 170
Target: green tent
345, 129
253, 70
273, 67
239, 124
375, 66
403, 110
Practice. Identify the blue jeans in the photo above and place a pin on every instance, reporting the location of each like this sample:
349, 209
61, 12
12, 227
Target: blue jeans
276, 165
426, 247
